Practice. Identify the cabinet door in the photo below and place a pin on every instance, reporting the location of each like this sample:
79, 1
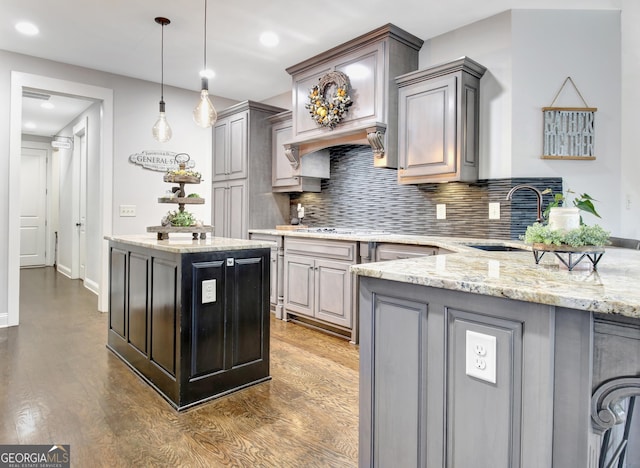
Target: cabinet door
230, 147
427, 119
299, 284
220, 149
238, 146
283, 173
334, 292
219, 215
237, 208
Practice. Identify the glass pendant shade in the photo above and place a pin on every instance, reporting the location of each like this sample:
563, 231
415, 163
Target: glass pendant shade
205, 115
161, 130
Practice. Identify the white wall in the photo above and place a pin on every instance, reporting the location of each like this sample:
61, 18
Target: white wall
548, 46
489, 43
630, 122
528, 54
135, 111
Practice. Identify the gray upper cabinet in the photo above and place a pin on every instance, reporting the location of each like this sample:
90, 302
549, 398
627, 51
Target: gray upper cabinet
230, 147
438, 123
371, 61
288, 174
241, 189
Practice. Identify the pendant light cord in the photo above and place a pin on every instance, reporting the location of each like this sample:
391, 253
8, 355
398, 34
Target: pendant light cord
205, 36
162, 64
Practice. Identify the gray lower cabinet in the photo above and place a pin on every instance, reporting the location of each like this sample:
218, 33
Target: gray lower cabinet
419, 407
276, 295
318, 284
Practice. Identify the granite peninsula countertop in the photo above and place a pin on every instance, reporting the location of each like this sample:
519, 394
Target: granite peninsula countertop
182, 245
613, 289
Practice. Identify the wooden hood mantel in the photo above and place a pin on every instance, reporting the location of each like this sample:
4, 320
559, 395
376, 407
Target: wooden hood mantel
371, 62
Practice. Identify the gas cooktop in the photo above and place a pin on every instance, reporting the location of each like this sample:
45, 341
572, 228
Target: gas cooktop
336, 230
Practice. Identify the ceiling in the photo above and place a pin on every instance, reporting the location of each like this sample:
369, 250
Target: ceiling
121, 36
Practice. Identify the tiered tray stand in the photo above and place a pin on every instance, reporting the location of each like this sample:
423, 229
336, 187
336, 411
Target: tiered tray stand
180, 198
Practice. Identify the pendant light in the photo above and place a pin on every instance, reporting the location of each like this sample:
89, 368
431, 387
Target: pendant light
161, 130
205, 114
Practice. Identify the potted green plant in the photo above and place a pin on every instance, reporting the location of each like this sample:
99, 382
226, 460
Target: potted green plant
564, 227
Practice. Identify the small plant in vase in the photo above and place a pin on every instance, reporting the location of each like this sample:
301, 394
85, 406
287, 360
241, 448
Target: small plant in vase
564, 226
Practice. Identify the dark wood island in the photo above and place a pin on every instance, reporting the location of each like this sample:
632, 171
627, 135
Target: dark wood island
191, 317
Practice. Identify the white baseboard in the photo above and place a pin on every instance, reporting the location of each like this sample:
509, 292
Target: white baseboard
4, 320
92, 286
66, 271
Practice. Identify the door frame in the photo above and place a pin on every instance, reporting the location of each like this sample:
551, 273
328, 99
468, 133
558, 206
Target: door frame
79, 131
20, 80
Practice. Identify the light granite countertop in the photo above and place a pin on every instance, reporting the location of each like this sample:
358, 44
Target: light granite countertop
613, 289
450, 243
182, 245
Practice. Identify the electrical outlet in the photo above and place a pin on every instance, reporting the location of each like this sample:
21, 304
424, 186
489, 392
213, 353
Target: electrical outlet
208, 291
441, 211
494, 210
480, 355
127, 211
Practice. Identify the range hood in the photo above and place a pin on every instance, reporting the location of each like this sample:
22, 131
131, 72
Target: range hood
371, 62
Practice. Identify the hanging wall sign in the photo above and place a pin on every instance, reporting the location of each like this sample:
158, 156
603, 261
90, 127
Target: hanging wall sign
157, 160
569, 131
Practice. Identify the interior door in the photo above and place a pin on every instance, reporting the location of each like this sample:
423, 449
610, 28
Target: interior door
33, 206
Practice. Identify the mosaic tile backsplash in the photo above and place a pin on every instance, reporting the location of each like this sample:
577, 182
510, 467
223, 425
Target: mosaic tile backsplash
363, 197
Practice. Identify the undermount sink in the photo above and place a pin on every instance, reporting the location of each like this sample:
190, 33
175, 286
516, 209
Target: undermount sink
496, 248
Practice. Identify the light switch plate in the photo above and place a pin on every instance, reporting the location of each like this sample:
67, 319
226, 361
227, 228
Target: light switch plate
208, 291
494, 210
127, 211
441, 211
480, 356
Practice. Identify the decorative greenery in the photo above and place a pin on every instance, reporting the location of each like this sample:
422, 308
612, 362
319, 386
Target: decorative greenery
193, 195
180, 218
329, 111
585, 235
184, 172
583, 202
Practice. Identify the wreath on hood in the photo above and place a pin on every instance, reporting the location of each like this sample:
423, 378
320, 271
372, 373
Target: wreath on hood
329, 110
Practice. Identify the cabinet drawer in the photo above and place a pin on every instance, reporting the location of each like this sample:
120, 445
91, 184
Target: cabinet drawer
397, 251
338, 250
274, 241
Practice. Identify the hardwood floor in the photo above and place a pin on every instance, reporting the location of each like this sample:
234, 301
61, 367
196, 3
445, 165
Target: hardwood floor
60, 385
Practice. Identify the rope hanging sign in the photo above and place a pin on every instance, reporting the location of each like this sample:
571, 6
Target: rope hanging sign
569, 131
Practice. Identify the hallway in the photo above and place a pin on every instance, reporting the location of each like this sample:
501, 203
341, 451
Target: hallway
60, 385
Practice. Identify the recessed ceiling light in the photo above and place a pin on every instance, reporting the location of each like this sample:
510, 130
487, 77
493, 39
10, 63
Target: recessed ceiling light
47, 105
208, 74
269, 39
26, 28
30, 126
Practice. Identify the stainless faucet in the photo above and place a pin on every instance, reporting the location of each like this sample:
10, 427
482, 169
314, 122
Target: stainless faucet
538, 194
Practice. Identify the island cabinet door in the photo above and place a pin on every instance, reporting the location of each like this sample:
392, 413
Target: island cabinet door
225, 328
